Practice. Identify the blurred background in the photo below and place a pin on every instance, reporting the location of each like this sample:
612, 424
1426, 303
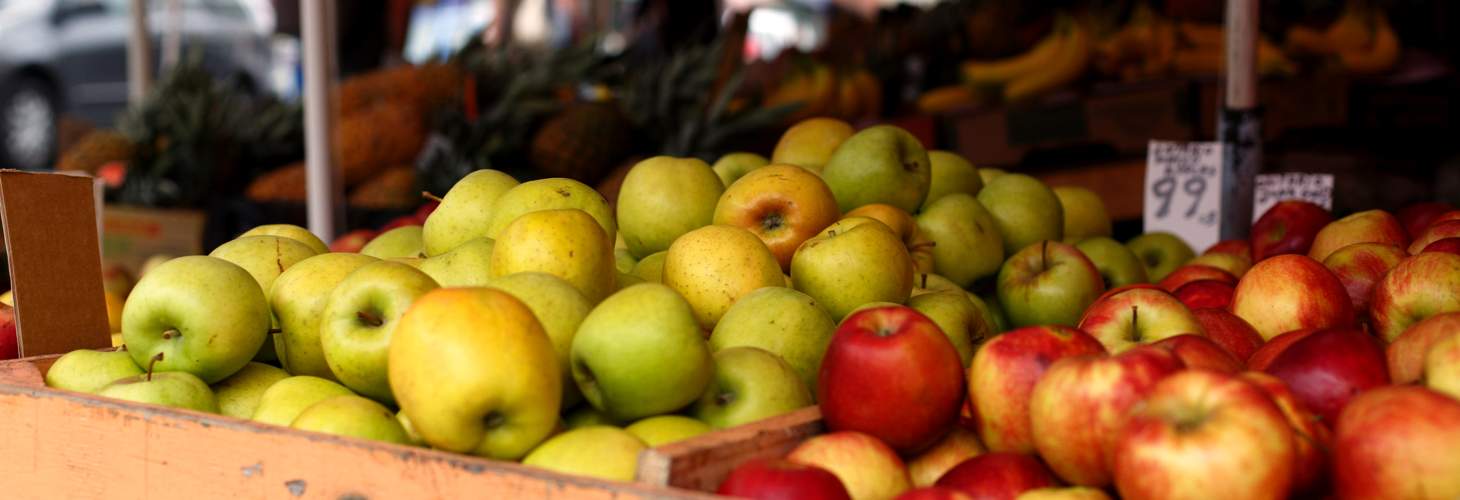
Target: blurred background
431, 90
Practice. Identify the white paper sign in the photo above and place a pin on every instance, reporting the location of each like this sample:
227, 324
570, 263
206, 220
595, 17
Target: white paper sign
1183, 193
1272, 188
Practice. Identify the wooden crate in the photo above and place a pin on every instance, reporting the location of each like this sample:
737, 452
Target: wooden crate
61, 444
702, 462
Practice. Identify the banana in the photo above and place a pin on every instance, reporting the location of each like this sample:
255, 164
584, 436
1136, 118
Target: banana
1211, 60
1005, 70
870, 90
1067, 65
1202, 35
946, 98
1376, 58
1353, 30
1308, 41
848, 99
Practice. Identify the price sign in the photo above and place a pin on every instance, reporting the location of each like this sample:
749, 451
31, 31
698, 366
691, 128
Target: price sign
1272, 188
1183, 194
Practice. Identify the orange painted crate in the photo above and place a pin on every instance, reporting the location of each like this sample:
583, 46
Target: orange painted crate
61, 444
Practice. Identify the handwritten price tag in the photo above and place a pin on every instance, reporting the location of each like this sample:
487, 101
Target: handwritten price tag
1272, 188
1183, 194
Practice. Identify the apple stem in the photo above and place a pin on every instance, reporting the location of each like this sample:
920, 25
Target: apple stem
925, 281
1134, 312
369, 318
275, 331
724, 398
1044, 254
169, 333
429, 196
151, 363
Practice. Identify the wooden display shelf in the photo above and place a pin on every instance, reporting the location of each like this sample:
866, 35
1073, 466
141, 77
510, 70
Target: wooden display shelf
61, 444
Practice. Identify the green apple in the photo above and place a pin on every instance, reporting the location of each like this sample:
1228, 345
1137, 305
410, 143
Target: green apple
598, 451
359, 320
86, 370
292, 232
625, 280
651, 267
1084, 213
564, 243
551, 194
640, 353
175, 389
197, 314
1024, 210
750, 384
299, 297
1118, 266
665, 429
403, 241
412, 437
585, 416
733, 166
845, 269
265, 258
880, 164
475, 373
783, 321
468, 264
992, 309
352, 416
988, 174
962, 321
559, 307
1048, 283
664, 197
810, 143
623, 261
951, 173
465, 211
929, 282
967, 244
238, 395
284, 400
1160, 253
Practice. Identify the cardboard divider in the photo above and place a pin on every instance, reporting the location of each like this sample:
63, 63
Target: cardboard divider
50, 227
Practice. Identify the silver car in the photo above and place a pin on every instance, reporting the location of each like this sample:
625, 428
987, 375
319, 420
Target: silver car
70, 57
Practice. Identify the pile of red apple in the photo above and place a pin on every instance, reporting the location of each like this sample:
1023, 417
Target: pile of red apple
1319, 359
355, 240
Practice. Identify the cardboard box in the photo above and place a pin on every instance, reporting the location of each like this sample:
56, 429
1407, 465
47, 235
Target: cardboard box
130, 235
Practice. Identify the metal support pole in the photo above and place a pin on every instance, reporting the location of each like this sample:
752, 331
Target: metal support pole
1238, 125
321, 179
139, 53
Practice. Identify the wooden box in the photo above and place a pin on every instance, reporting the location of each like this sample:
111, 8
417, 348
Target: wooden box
61, 444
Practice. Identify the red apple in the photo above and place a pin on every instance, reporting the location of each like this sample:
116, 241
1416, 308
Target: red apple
1123, 289
1360, 266
997, 476
1137, 316
1436, 232
1272, 348
1081, 403
1419, 287
115, 278
9, 343
1229, 262
353, 241
1241, 248
1398, 442
404, 220
960, 444
1194, 272
1230, 332
781, 479
1447, 245
1204, 434
1415, 218
1311, 439
1406, 355
1328, 367
1200, 352
1003, 374
891, 373
425, 210
1291, 292
1447, 216
867, 467
1066, 493
1206, 294
933, 493
1369, 226
1288, 227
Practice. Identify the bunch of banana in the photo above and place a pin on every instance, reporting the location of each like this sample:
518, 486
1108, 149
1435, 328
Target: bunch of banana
1362, 40
950, 98
852, 94
1058, 59
1151, 46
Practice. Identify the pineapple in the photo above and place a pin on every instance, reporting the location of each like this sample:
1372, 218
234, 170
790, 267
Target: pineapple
582, 142
95, 149
371, 140
395, 188
285, 184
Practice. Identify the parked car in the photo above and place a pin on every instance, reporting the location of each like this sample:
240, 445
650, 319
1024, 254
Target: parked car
70, 57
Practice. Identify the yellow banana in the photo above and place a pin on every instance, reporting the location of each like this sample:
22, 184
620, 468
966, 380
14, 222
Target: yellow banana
870, 90
946, 98
1377, 57
1005, 70
1067, 65
1353, 30
1202, 35
848, 98
1308, 41
1212, 60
